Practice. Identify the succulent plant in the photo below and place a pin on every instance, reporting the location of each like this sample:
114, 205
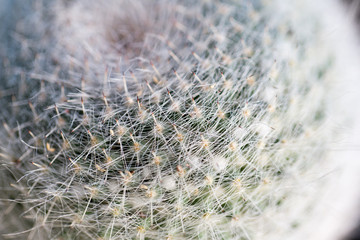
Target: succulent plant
163, 120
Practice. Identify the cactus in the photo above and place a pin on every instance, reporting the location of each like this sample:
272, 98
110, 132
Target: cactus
163, 120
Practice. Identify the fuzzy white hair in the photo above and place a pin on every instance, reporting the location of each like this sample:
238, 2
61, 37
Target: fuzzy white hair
178, 119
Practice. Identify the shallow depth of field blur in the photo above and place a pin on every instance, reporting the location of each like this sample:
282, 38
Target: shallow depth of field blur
343, 203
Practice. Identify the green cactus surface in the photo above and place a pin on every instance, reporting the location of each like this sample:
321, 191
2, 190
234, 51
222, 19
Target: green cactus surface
161, 119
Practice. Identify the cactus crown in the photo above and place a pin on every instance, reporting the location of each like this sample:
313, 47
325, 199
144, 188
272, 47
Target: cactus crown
169, 120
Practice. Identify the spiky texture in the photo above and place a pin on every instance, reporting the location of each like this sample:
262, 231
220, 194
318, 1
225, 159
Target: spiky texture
164, 120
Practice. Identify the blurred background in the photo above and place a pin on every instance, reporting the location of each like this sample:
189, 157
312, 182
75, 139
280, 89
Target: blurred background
353, 8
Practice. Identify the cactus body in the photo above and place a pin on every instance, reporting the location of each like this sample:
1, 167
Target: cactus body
165, 120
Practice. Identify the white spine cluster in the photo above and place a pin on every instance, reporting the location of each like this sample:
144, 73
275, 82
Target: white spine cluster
167, 120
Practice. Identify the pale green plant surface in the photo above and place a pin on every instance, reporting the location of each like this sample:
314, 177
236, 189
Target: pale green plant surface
164, 120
